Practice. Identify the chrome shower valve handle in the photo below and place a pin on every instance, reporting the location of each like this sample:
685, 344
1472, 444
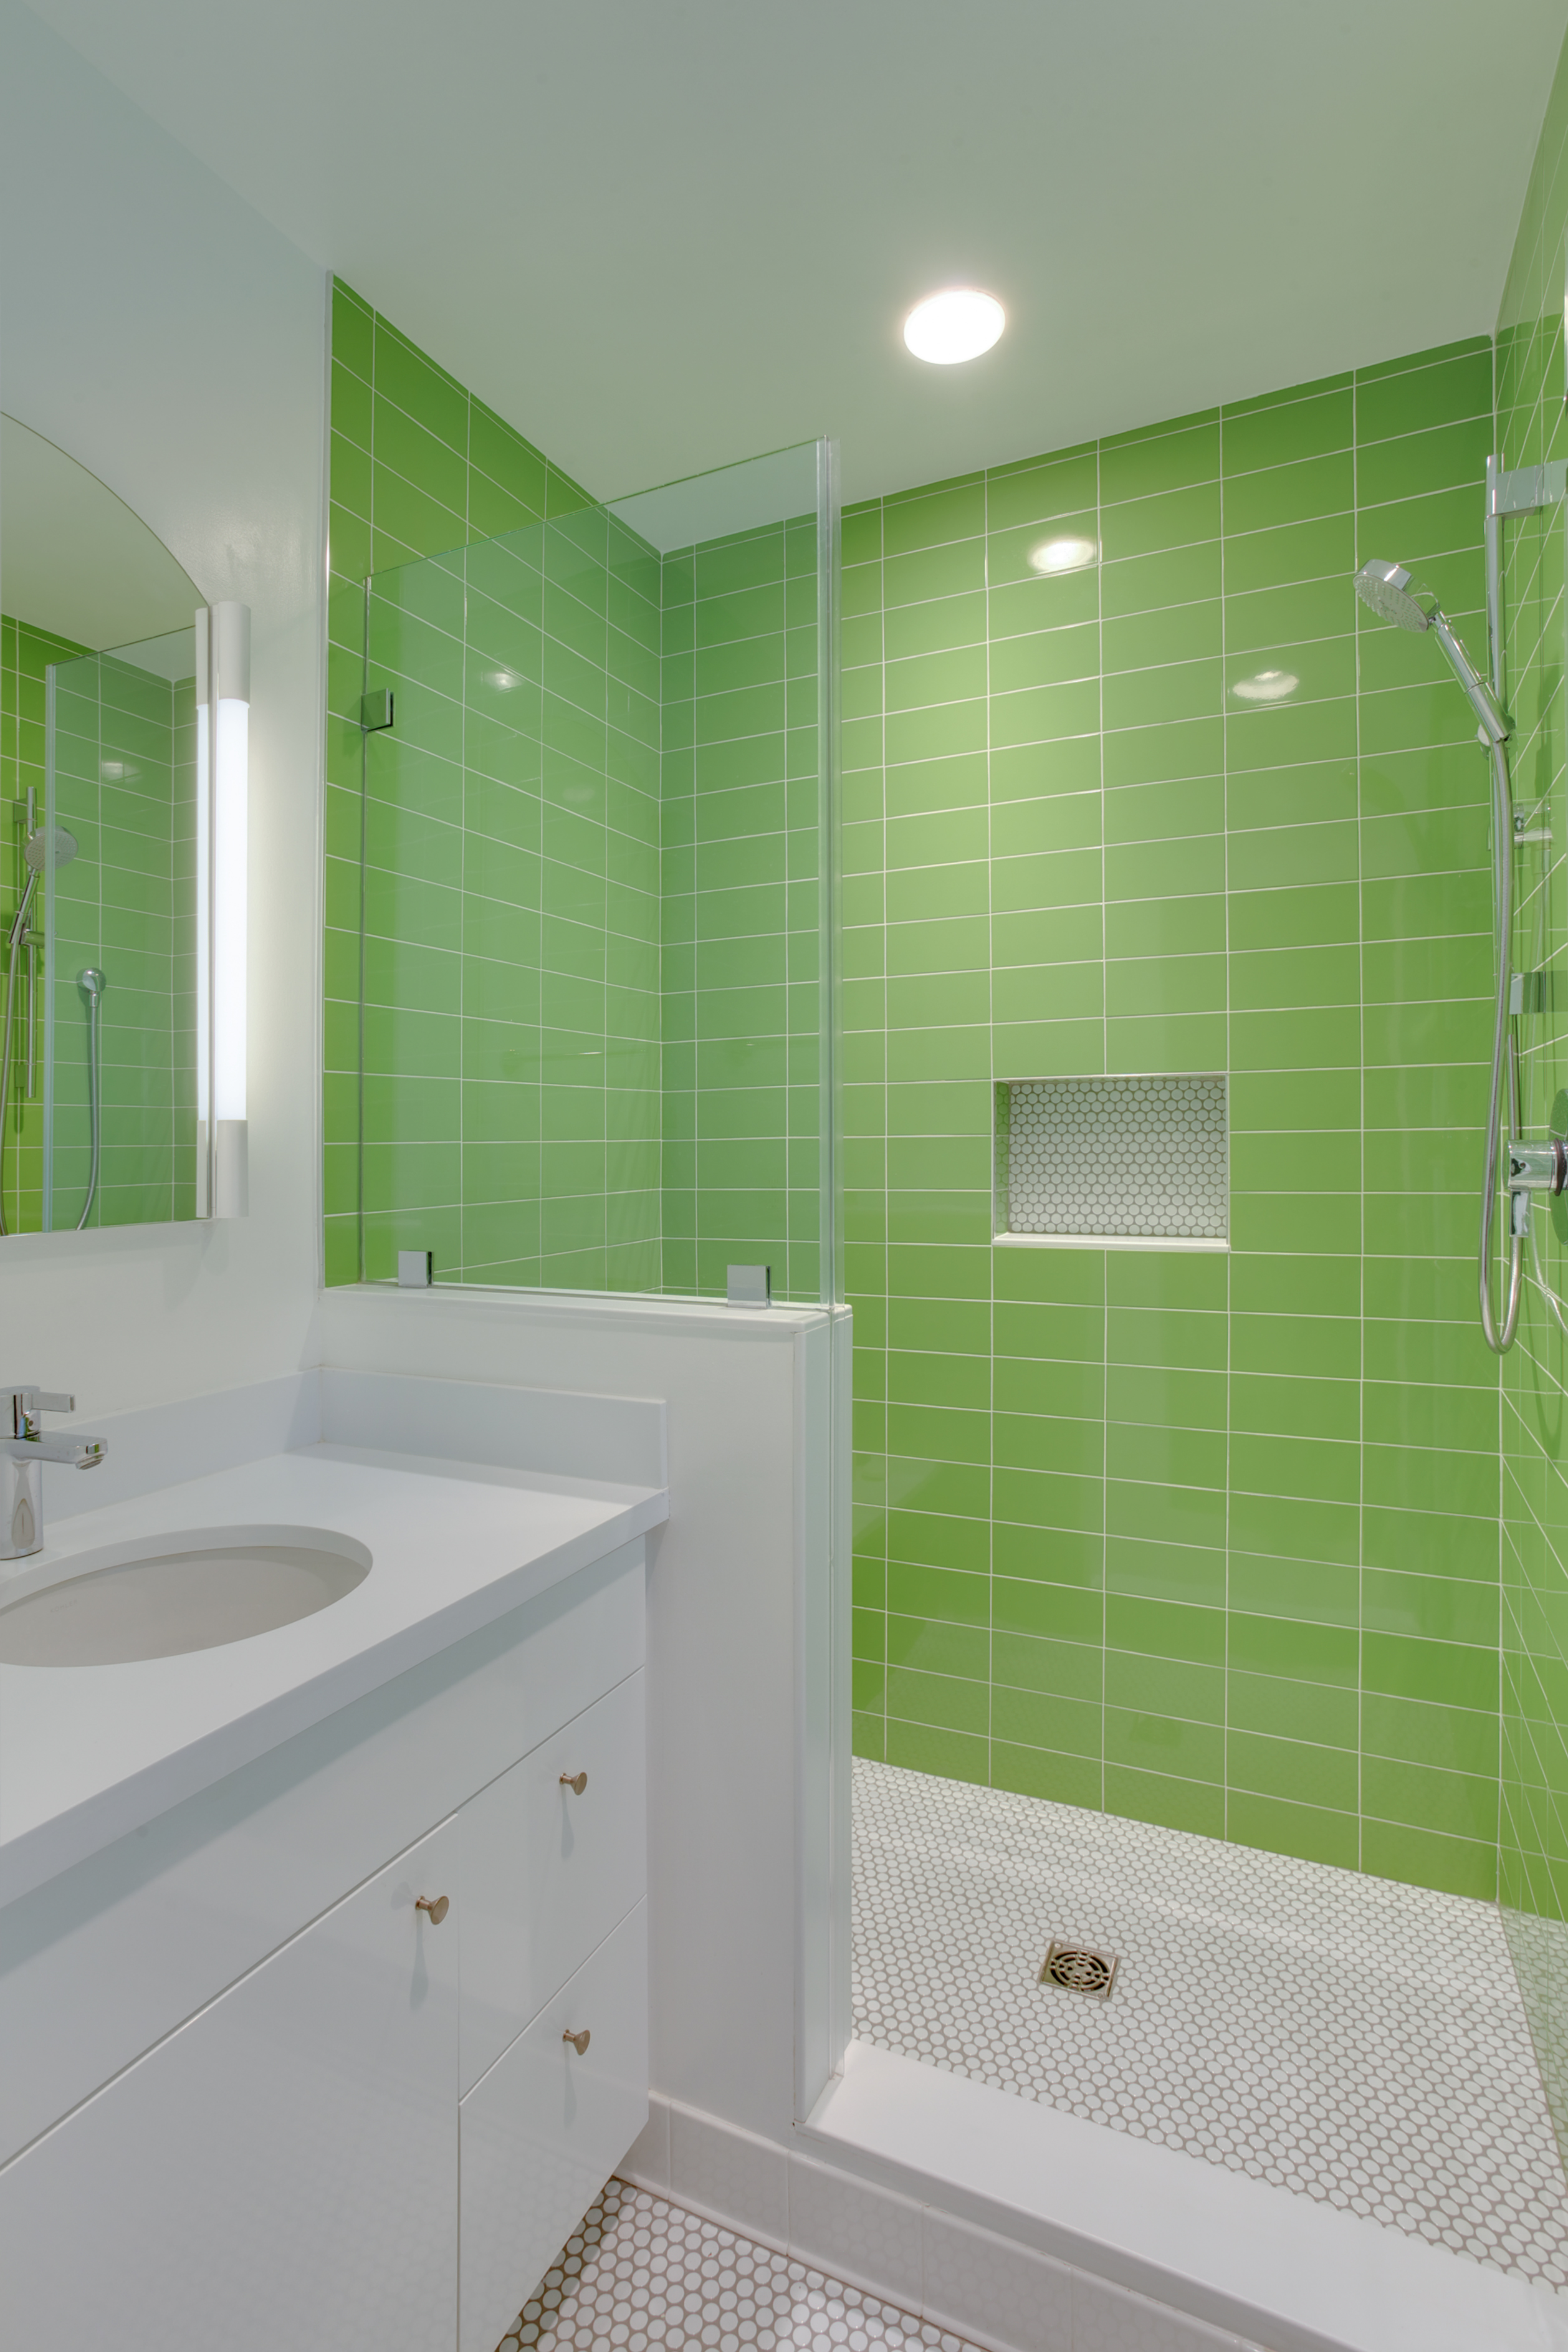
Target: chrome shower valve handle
1538, 1167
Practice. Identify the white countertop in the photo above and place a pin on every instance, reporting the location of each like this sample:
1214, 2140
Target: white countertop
89, 1753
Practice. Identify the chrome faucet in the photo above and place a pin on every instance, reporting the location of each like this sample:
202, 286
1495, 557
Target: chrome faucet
22, 1457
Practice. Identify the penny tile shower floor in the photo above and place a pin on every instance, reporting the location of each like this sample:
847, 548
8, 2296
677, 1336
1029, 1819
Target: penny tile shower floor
1342, 2036
641, 2275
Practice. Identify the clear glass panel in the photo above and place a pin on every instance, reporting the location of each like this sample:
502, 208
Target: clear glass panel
116, 947
590, 1001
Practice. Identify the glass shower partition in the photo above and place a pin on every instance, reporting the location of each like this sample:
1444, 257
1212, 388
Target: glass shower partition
580, 1039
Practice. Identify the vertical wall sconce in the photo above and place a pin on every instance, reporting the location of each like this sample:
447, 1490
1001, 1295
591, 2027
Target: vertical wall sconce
223, 755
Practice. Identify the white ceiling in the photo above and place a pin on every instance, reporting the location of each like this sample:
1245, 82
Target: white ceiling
663, 238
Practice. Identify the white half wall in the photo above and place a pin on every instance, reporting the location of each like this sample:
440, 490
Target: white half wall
160, 331
746, 1395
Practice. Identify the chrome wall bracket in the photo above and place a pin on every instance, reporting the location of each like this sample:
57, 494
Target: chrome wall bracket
1523, 489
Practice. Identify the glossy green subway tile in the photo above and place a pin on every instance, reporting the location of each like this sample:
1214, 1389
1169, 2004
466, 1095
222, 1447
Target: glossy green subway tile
1152, 1569
1294, 1770
1044, 1609
1288, 1711
1040, 489
1041, 1772
1185, 1457
1180, 926
1312, 1833
1421, 1857
1185, 1398
1303, 1651
1053, 1668
1448, 1674
1168, 1744
947, 1755
1174, 1513
1170, 1802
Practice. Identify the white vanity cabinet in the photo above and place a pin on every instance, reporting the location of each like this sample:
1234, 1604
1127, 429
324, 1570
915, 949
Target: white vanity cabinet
374, 2135
281, 2170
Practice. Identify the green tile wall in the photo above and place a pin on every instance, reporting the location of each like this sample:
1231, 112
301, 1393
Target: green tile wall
25, 654
591, 880
1534, 1828
491, 849
743, 1002
1207, 1541
124, 786
511, 903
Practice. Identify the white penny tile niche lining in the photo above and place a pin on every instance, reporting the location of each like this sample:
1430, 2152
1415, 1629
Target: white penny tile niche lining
1112, 1164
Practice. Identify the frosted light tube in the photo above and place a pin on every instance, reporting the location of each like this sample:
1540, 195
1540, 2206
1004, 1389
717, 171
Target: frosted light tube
230, 803
224, 871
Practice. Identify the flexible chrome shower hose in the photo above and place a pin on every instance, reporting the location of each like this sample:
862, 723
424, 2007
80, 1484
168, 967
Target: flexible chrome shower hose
95, 1106
5, 1065
1500, 1339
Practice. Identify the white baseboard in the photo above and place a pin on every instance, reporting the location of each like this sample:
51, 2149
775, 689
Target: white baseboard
991, 2290
982, 2214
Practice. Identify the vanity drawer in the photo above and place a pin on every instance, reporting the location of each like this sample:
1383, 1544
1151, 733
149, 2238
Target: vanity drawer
540, 2134
546, 1870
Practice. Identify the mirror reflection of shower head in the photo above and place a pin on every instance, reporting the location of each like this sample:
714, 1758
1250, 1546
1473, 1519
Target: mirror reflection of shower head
35, 850
1388, 590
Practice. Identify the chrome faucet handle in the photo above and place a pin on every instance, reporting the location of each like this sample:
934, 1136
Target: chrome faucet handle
26, 1402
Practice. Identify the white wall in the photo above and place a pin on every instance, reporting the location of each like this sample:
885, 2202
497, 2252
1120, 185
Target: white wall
163, 335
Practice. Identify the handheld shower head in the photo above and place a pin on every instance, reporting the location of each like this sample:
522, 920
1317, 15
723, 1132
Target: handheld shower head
1387, 588
40, 849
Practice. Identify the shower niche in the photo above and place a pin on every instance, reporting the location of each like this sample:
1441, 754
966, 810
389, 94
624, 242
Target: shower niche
1112, 1164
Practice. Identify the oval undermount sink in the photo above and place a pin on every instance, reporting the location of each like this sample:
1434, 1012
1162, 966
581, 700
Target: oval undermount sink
166, 1595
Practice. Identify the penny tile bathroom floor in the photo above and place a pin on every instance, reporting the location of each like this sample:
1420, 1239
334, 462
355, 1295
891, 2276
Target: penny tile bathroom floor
1342, 2036
641, 2275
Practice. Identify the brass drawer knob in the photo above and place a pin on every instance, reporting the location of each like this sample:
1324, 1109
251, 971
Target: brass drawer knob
437, 1909
575, 1781
579, 2040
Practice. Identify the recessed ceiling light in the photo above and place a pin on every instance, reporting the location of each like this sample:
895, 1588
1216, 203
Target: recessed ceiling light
1268, 685
957, 325
1063, 554
503, 680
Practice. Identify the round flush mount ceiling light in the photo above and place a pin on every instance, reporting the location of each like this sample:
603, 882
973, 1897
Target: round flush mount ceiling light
957, 325
1053, 555
1268, 685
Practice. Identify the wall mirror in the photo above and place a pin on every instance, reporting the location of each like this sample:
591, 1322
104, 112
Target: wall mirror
108, 792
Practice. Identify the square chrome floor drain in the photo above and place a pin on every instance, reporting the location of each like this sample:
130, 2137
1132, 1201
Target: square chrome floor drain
1077, 1969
